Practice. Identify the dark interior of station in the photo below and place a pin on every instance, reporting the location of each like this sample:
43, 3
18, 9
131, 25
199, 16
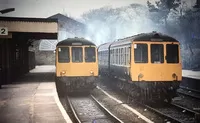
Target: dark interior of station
15, 58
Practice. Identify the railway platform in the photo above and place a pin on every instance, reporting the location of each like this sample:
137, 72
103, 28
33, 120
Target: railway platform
32, 99
191, 79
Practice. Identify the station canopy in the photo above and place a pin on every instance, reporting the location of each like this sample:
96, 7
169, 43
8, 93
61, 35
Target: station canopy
28, 28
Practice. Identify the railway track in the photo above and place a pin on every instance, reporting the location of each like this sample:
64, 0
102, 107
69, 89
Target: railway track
189, 92
175, 113
188, 103
87, 109
170, 112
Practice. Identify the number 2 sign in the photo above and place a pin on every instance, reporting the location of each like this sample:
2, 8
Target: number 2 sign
3, 31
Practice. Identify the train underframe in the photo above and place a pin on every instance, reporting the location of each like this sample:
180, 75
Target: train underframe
67, 85
150, 91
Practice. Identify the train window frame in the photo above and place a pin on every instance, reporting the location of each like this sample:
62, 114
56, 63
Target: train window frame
167, 54
160, 55
93, 59
114, 62
136, 47
59, 50
73, 52
118, 56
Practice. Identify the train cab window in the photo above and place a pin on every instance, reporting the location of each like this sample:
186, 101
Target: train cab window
172, 53
63, 55
90, 54
77, 54
157, 53
140, 53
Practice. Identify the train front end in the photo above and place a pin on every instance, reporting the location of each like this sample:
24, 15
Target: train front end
156, 68
76, 66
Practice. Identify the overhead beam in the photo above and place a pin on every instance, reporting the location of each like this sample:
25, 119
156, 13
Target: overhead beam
33, 28
39, 27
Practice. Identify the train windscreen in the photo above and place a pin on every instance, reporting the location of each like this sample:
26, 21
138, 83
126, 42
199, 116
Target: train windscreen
157, 53
172, 53
90, 54
77, 54
140, 53
63, 55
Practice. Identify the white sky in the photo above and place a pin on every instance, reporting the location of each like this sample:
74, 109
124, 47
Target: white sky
46, 8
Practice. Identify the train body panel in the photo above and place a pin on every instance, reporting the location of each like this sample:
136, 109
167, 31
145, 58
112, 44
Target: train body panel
157, 73
78, 69
155, 69
122, 72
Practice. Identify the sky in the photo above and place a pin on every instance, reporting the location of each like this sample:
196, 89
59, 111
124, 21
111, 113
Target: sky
46, 8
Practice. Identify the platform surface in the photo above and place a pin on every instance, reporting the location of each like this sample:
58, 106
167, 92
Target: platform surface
32, 99
191, 74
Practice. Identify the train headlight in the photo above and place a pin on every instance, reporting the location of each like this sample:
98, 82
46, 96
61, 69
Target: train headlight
91, 72
62, 72
174, 75
140, 75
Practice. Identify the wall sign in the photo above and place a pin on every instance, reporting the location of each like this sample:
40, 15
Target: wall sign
3, 31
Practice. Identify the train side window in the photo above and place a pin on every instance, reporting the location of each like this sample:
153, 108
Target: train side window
90, 54
116, 56
172, 53
128, 55
157, 53
140, 53
124, 55
122, 58
63, 55
112, 56
100, 57
77, 54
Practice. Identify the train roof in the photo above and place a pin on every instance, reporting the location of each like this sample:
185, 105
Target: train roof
148, 37
104, 46
151, 37
75, 41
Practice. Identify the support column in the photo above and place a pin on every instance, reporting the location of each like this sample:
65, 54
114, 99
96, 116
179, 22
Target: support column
8, 62
1, 63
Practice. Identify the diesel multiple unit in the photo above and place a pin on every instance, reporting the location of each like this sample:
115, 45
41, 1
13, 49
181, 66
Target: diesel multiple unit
76, 65
148, 64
